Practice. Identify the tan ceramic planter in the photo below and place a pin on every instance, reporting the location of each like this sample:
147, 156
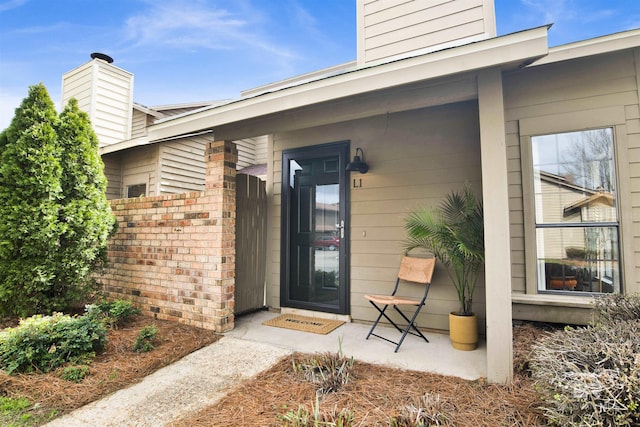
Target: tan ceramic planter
463, 331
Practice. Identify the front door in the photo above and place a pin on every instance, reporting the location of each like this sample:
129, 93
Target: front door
314, 228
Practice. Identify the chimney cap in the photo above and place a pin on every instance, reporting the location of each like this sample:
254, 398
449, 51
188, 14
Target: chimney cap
104, 57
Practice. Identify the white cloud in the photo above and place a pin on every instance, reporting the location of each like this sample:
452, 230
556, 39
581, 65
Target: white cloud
552, 10
189, 25
11, 4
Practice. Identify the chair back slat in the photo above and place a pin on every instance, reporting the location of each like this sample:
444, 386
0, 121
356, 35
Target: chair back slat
419, 270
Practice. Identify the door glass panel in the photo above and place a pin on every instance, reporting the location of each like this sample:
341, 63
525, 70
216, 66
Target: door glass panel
315, 230
327, 239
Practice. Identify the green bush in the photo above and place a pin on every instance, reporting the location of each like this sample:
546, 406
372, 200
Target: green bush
75, 373
591, 375
144, 340
112, 313
44, 343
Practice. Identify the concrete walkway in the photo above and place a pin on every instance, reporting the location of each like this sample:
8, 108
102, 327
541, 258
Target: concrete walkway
194, 382
203, 377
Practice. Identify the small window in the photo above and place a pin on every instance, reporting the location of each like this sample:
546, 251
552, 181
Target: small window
136, 190
575, 211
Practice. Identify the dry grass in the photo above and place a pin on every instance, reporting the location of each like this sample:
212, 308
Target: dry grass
115, 368
376, 393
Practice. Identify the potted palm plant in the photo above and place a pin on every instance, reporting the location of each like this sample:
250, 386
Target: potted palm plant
454, 233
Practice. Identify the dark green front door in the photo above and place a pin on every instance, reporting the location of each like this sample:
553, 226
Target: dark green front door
314, 228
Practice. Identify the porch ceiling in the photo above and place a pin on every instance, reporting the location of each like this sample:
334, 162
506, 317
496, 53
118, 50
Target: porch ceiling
424, 80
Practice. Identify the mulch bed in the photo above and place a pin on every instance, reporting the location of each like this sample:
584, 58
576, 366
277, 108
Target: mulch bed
376, 393
115, 368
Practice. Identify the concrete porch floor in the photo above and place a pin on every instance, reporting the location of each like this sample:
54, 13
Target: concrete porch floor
437, 356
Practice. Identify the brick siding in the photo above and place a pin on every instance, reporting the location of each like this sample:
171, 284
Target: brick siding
174, 255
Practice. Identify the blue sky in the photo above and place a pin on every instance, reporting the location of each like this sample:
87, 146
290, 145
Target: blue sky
197, 50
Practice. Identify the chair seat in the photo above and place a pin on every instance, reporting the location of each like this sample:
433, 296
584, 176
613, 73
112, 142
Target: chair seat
392, 300
412, 270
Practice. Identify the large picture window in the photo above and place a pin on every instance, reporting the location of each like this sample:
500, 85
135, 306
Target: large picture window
576, 215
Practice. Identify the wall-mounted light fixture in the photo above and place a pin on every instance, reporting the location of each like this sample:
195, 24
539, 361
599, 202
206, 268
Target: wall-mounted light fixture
358, 163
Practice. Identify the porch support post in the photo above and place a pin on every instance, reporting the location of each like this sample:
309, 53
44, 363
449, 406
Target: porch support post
219, 247
496, 227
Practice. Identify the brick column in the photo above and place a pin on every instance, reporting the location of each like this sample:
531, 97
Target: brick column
220, 188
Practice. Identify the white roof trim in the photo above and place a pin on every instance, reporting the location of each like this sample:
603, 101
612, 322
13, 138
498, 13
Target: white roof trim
511, 50
146, 110
189, 105
303, 78
143, 140
610, 43
123, 145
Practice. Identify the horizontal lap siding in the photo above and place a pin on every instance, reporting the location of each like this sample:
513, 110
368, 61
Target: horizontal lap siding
182, 166
139, 165
576, 86
113, 172
393, 28
77, 84
139, 124
112, 103
415, 159
105, 93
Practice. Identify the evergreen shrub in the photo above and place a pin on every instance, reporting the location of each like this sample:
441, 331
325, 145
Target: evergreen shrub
43, 343
54, 216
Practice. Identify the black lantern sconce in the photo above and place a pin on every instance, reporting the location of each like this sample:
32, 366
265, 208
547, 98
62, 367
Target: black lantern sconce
358, 163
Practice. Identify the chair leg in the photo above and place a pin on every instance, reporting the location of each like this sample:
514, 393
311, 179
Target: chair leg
410, 324
378, 319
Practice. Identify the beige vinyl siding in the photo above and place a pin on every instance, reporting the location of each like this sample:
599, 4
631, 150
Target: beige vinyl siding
113, 172
77, 84
139, 166
105, 93
261, 149
393, 28
138, 124
182, 167
592, 92
415, 157
251, 151
113, 105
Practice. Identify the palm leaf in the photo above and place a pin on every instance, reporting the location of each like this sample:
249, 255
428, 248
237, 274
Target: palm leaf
454, 233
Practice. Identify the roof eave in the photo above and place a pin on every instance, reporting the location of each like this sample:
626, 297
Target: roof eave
509, 51
596, 46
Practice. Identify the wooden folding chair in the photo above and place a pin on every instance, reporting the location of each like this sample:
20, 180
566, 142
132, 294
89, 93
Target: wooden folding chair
415, 270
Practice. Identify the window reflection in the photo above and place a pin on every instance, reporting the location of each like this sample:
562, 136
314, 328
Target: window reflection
576, 211
327, 241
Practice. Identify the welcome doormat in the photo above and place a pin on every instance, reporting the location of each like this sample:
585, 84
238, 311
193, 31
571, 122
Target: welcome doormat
304, 323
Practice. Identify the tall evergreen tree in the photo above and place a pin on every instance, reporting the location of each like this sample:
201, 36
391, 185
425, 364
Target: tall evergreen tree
84, 209
30, 192
54, 216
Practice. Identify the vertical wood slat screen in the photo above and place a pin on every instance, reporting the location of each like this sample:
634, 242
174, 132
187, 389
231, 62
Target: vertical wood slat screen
251, 243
